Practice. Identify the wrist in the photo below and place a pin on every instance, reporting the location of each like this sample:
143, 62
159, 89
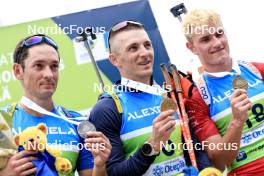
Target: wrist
236, 123
154, 144
148, 149
99, 169
99, 165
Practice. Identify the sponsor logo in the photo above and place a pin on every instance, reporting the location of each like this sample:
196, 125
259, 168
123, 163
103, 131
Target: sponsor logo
256, 148
52, 130
204, 92
143, 113
227, 94
158, 170
252, 136
241, 156
171, 167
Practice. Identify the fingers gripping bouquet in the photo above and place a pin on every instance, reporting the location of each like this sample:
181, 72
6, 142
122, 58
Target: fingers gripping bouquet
7, 146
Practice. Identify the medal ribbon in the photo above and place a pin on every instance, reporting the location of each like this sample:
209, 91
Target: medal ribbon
155, 89
35, 107
235, 67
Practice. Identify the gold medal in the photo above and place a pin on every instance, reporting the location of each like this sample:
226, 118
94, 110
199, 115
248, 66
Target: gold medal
240, 83
210, 171
167, 104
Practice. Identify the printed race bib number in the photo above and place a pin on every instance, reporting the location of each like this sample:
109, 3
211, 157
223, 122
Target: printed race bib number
257, 111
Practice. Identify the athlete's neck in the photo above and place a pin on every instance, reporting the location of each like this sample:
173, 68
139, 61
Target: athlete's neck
225, 67
143, 80
44, 103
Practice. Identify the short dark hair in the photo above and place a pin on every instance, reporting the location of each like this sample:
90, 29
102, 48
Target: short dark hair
21, 49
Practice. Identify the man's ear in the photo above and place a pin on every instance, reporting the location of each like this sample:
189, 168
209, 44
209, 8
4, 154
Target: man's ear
18, 71
190, 46
113, 59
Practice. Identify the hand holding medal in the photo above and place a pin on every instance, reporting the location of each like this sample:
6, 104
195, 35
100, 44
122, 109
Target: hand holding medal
96, 142
84, 127
240, 104
167, 104
239, 83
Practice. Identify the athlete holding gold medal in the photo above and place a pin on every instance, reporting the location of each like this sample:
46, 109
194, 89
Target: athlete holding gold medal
131, 117
226, 108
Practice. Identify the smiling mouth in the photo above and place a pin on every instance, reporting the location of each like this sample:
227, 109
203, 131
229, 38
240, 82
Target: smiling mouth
144, 63
216, 51
49, 85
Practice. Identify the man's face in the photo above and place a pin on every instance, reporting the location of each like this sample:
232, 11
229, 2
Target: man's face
40, 75
211, 46
133, 54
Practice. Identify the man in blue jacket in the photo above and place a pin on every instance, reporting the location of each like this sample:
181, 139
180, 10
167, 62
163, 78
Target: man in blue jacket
132, 119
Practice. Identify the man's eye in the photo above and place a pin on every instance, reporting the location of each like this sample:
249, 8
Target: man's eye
38, 66
148, 45
219, 34
55, 67
132, 48
205, 39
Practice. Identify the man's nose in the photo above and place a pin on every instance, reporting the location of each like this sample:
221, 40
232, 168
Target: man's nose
48, 72
216, 42
144, 51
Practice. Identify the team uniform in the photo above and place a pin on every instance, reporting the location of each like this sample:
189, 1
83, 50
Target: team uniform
209, 119
60, 134
131, 129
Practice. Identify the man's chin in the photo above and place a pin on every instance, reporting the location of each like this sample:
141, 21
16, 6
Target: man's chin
47, 93
146, 73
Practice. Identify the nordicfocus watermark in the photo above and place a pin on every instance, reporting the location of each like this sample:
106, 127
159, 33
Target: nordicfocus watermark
191, 29
58, 29
72, 145
98, 88
169, 145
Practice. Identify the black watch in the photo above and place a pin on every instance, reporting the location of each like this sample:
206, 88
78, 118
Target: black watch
148, 150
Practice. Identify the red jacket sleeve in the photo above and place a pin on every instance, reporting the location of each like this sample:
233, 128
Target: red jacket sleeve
200, 120
260, 67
